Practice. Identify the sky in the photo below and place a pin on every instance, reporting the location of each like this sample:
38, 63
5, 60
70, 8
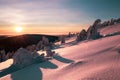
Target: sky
54, 16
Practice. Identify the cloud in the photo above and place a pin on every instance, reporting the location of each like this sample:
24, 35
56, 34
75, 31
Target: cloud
11, 15
37, 11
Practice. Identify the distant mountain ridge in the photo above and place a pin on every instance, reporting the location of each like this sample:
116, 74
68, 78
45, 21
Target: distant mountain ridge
15, 42
2, 37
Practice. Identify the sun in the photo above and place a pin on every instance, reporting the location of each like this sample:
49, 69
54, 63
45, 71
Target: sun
18, 29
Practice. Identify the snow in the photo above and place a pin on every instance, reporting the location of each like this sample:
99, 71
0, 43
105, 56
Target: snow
110, 29
87, 60
6, 64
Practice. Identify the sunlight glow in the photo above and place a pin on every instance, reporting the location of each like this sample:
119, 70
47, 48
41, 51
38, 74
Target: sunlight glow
18, 29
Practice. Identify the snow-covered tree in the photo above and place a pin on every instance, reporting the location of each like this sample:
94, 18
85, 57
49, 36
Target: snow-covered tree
22, 58
2, 55
62, 39
92, 32
82, 35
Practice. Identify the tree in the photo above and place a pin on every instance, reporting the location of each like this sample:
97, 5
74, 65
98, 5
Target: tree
82, 35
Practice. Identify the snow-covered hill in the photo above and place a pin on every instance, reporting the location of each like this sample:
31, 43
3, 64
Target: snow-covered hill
87, 60
110, 29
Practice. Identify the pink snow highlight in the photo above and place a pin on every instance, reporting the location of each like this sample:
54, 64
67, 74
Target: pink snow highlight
110, 29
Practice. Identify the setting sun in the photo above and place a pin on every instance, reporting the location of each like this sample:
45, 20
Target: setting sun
18, 29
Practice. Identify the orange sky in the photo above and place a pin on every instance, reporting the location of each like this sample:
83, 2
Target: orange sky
42, 29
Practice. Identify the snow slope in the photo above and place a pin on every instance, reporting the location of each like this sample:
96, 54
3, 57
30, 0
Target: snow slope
110, 29
87, 60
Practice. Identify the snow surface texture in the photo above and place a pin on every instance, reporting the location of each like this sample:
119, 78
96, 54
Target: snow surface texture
110, 29
88, 60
